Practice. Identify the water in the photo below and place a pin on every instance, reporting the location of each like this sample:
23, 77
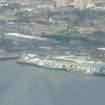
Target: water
28, 85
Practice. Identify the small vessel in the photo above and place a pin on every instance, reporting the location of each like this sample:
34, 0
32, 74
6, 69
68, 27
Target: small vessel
41, 62
100, 72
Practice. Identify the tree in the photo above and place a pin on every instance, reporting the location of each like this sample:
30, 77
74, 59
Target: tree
13, 6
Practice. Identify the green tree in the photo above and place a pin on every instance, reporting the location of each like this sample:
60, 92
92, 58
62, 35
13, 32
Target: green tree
13, 6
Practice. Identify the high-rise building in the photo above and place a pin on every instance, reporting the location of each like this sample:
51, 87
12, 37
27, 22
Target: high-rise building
81, 4
62, 3
24, 2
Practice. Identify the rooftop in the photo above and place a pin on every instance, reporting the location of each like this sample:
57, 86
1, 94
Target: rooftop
102, 49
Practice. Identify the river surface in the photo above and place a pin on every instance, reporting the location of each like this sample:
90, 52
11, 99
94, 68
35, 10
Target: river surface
28, 85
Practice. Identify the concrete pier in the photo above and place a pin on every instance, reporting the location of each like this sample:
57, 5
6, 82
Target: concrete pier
5, 56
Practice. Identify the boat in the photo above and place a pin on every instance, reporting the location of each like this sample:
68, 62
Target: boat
41, 62
100, 72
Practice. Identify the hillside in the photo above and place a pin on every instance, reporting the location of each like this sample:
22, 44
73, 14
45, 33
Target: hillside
48, 1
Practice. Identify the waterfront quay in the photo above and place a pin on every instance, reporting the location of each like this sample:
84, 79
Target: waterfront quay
66, 63
5, 56
71, 63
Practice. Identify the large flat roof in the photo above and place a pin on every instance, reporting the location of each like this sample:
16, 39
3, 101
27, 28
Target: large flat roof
102, 49
25, 36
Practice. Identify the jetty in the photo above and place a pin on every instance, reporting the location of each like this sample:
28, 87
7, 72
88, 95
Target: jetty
5, 56
66, 63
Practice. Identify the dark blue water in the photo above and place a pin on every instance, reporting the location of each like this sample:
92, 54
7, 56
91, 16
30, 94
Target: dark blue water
27, 85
